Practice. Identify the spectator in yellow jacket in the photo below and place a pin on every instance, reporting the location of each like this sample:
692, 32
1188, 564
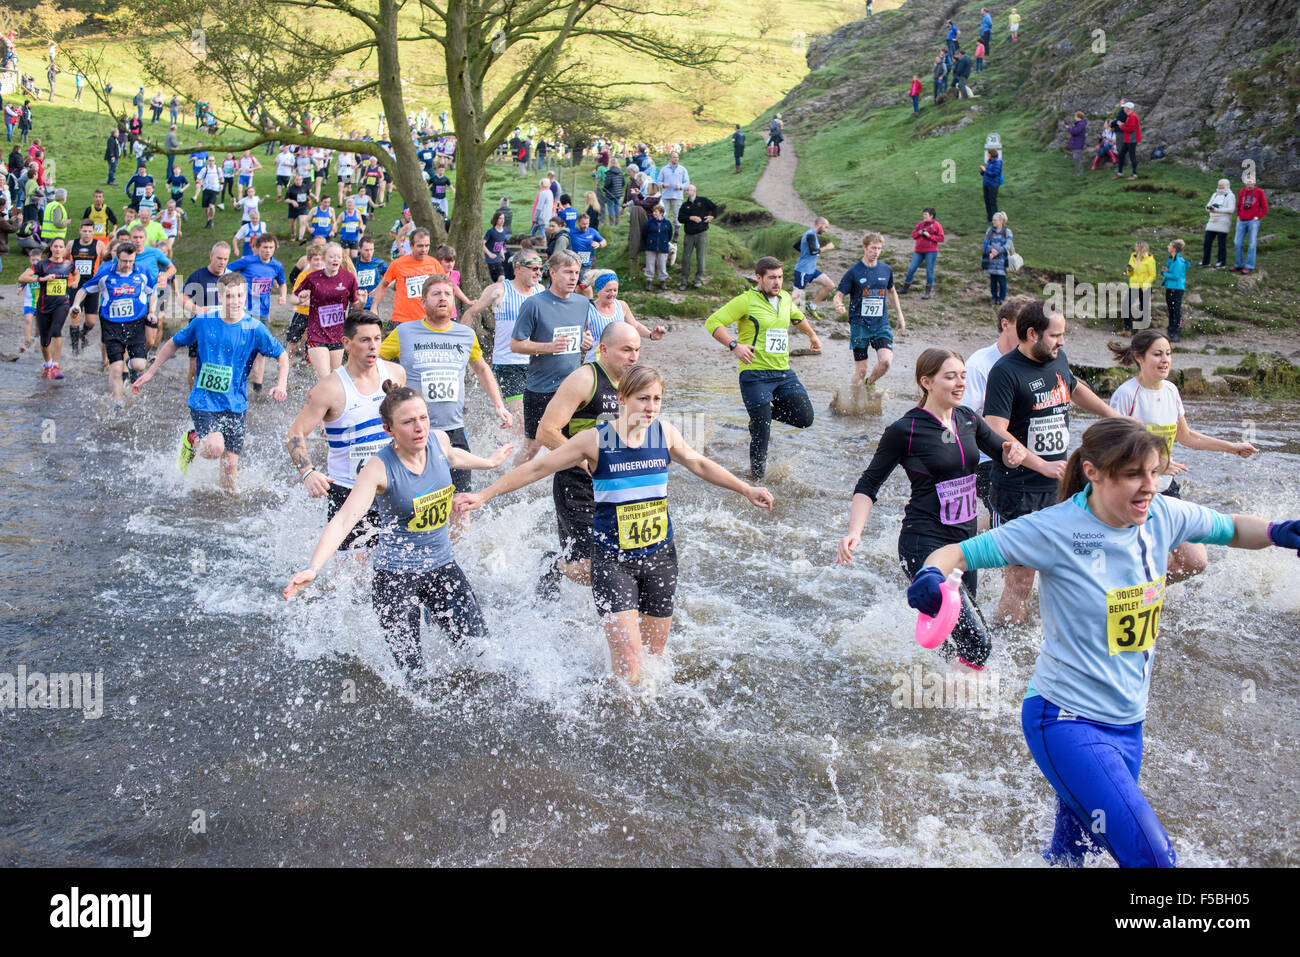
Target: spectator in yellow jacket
1141, 274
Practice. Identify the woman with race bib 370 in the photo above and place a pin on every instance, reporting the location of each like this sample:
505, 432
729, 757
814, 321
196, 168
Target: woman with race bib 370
1101, 553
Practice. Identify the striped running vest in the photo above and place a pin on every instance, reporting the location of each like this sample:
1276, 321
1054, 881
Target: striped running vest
507, 311
631, 490
358, 432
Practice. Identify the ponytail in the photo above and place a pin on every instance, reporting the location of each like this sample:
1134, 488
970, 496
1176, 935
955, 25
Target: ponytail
1139, 345
394, 395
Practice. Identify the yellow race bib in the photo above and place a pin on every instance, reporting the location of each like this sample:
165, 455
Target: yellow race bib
1133, 616
1166, 432
431, 510
641, 524
57, 287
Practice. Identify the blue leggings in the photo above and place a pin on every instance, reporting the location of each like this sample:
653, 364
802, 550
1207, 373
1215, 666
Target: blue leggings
1094, 768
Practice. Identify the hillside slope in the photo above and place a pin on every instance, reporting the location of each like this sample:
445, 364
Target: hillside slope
1215, 82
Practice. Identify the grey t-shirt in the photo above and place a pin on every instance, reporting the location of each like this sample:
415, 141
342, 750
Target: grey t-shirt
543, 318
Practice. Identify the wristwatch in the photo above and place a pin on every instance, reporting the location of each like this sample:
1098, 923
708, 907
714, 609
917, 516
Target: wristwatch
732, 344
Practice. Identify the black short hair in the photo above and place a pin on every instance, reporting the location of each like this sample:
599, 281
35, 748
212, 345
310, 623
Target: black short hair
360, 317
1036, 316
566, 199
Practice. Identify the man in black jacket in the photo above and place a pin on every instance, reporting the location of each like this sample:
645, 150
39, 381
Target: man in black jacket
695, 215
615, 179
112, 152
961, 76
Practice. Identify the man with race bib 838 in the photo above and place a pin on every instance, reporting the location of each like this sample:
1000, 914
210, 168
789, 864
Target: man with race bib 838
1028, 399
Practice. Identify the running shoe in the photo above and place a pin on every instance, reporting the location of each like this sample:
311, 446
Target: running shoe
187, 451
56, 372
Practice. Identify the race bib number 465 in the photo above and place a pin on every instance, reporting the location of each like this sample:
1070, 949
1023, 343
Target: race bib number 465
1049, 434
641, 524
1133, 616
431, 510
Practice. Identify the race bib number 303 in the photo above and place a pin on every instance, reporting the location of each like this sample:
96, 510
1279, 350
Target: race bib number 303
641, 524
1049, 434
1133, 616
430, 510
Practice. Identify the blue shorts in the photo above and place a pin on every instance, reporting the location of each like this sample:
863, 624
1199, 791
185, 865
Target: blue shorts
803, 279
759, 386
863, 336
1093, 767
229, 424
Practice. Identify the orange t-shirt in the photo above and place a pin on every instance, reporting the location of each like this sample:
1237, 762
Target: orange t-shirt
407, 277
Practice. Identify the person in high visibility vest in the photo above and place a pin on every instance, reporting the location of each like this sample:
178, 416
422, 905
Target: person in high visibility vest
54, 224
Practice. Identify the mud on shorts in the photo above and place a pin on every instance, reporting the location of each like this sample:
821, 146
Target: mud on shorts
229, 424
510, 380
646, 585
575, 510
123, 338
364, 536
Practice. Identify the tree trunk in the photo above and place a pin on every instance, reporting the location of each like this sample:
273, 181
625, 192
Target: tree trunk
406, 169
472, 154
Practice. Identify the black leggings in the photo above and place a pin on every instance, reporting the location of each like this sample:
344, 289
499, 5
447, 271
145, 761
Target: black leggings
792, 408
970, 638
399, 597
50, 324
1174, 303
1209, 242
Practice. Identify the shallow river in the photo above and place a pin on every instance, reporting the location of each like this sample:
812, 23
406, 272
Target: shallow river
282, 735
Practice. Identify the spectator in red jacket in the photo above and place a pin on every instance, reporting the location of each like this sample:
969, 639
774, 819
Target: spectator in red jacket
1252, 206
928, 234
915, 94
1130, 129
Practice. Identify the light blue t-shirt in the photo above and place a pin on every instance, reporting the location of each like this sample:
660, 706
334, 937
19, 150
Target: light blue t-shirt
226, 351
1101, 593
151, 261
809, 248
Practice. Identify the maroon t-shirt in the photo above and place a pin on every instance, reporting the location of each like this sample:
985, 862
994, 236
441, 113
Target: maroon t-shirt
331, 297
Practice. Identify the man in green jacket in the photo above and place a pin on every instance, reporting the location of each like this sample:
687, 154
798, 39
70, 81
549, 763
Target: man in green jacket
763, 317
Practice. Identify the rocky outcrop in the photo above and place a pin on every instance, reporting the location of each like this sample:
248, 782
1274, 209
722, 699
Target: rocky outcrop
1215, 82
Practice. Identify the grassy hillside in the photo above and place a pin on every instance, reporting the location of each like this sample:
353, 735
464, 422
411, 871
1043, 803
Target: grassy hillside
876, 167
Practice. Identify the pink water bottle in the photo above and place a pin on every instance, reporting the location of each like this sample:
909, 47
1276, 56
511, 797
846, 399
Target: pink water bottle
933, 632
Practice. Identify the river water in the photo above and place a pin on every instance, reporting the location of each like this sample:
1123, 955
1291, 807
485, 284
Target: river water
241, 729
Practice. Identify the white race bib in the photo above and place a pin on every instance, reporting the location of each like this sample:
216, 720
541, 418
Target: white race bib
83, 266
415, 286
573, 334
121, 309
873, 307
584, 257
440, 385
778, 341
331, 315
359, 455
366, 278
1049, 434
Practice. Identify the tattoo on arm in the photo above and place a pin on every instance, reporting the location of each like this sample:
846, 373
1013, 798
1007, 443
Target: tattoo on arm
298, 453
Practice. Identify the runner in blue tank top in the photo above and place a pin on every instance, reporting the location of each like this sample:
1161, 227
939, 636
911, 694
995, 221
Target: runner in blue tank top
634, 556
1102, 554
409, 483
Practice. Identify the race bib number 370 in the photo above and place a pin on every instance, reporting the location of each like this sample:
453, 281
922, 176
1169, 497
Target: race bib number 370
1133, 616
